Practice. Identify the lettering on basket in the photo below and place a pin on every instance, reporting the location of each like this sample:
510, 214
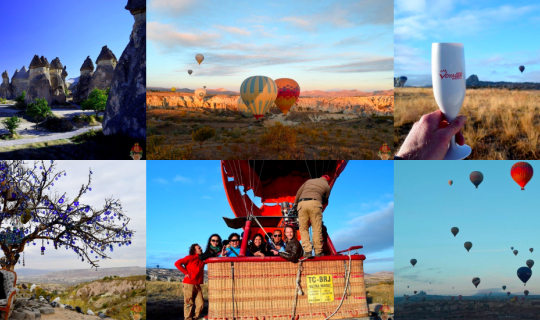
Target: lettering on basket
455, 76
320, 288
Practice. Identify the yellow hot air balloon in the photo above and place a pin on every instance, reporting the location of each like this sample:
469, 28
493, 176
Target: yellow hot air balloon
173, 89
199, 58
288, 93
200, 94
243, 109
259, 94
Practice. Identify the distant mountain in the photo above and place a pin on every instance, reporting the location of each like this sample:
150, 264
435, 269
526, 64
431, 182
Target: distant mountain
77, 275
382, 274
344, 93
25, 272
473, 81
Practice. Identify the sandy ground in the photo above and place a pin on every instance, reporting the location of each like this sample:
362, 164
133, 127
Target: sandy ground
62, 314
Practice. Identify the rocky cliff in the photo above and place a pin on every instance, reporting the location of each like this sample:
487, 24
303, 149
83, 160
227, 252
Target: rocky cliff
125, 113
6, 92
354, 105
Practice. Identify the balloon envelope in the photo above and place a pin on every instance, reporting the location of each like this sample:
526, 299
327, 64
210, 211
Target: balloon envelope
450, 182
288, 93
190, 72
530, 263
531, 250
454, 231
476, 281
413, 262
476, 178
199, 58
468, 245
515, 252
504, 287
508, 293
524, 274
522, 173
521, 68
200, 94
526, 292
259, 94
243, 109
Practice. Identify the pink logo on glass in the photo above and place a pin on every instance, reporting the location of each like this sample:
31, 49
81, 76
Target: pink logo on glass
456, 76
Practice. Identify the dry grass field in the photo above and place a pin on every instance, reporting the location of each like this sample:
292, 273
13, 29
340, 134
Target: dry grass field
169, 136
501, 124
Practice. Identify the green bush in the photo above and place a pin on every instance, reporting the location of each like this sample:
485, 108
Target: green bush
3, 101
96, 101
57, 124
203, 134
77, 118
39, 109
11, 124
20, 104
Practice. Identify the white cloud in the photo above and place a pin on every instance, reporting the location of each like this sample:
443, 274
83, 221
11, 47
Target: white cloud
234, 30
160, 180
168, 36
179, 178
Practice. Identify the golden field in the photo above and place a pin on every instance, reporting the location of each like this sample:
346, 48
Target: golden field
501, 124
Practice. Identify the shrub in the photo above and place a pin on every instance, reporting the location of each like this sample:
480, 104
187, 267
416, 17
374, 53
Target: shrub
77, 118
39, 109
203, 134
20, 104
11, 124
3, 101
57, 124
278, 137
97, 99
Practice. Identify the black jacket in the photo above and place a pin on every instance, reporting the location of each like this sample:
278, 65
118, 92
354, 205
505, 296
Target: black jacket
209, 253
262, 248
293, 251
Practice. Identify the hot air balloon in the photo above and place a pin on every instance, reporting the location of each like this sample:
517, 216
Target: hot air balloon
515, 252
531, 250
476, 178
511, 248
524, 274
526, 292
530, 263
200, 94
450, 182
407, 287
243, 109
468, 245
199, 58
415, 292
403, 79
413, 262
522, 173
190, 72
460, 297
508, 293
476, 281
173, 89
288, 93
454, 231
521, 68
504, 287
258, 93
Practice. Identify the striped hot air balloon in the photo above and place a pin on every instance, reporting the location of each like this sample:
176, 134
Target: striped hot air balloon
522, 173
258, 93
243, 109
288, 93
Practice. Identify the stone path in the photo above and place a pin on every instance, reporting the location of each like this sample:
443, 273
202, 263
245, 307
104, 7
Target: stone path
47, 137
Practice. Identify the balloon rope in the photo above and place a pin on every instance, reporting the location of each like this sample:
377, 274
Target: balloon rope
348, 275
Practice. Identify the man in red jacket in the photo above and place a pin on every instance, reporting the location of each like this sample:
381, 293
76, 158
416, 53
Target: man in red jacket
193, 268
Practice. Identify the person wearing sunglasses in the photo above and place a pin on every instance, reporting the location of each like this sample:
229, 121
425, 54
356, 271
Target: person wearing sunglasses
310, 199
193, 269
294, 250
277, 244
213, 247
233, 248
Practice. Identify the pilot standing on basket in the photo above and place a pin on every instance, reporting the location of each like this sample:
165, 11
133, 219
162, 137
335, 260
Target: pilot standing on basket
310, 198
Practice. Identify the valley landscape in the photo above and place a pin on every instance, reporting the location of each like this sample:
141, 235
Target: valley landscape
321, 125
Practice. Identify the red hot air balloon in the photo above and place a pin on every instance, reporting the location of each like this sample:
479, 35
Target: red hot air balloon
450, 182
476, 178
288, 93
522, 173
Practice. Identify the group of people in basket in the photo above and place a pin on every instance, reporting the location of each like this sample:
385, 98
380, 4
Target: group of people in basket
310, 199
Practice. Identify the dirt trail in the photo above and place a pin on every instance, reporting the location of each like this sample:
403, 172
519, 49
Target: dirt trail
63, 314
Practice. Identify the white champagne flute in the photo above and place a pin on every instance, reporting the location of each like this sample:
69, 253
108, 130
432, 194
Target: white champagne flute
448, 77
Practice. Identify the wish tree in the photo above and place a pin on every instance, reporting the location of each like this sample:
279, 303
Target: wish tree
32, 212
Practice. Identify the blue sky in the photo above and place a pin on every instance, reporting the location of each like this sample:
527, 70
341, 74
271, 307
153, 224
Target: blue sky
186, 203
494, 217
70, 30
497, 36
323, 45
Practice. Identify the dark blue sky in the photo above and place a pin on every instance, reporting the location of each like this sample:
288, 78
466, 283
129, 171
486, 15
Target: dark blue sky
70, 30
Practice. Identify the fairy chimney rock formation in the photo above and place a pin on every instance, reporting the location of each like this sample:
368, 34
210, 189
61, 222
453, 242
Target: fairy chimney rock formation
6, 91
87, 70
64, 74
125, 113
39, 85
106, 62
57, 83
19, 81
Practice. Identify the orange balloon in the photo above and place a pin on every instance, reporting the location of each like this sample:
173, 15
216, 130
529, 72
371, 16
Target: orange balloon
288, 93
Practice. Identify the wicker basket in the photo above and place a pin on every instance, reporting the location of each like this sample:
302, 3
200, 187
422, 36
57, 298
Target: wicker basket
265, 288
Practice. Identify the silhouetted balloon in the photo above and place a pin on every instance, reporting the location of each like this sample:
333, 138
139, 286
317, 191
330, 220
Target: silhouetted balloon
190, 72
413, 262
521, 68
530, 263
512, 248
531, 250
407, 287
415, 292
454, 231
515, 252
508, 293
524, 274
526, 292
199, 58
476, 282
476, 178
504, 287
468, 245
522, 173
450, 182
403, 79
